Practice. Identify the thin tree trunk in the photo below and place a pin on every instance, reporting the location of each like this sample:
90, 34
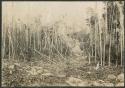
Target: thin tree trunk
110, 50
105, 32
95, 35
9, 44
95, 41
3, 40
122, 31
89, 59
34, 45
100, 45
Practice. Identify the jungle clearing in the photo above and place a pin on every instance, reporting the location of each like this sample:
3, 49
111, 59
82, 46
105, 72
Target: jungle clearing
63, 43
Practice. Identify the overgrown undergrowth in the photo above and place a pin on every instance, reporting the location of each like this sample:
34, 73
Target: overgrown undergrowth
39, 73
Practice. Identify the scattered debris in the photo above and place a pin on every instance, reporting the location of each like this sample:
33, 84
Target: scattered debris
61, 76
120, 77
95, 83
120, 84
111, 77
35, 70
11, 67
47, 74
108, 84
97, 66
76, 82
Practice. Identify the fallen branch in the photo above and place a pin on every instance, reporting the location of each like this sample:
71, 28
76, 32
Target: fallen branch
42, 55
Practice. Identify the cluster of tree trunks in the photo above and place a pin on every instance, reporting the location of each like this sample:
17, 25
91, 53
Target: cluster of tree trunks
107, 34
105, 42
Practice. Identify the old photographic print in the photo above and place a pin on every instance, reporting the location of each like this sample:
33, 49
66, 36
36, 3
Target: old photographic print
62, 43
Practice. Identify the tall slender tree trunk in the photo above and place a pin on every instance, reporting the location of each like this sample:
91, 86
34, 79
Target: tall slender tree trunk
9, 43
3, 40
100, 44
104, 50
109, 50
105, 33
122, 31
95, 41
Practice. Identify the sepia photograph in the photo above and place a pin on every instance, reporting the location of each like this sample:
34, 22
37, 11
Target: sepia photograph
62, 43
